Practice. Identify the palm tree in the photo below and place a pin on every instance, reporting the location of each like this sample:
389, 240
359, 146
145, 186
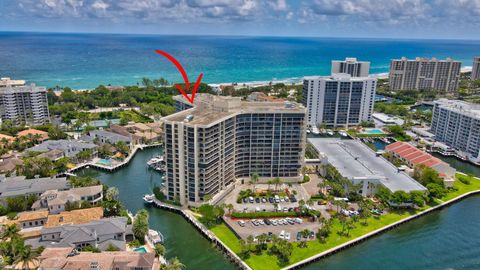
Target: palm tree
159, 250
230, 208
270, 182
175, 264
26, 259
9, 231
253, 180
277, 181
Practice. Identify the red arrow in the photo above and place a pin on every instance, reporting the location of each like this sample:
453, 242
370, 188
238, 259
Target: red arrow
185, 77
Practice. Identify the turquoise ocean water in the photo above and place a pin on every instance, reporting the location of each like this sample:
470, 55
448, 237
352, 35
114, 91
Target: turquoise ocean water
87, 60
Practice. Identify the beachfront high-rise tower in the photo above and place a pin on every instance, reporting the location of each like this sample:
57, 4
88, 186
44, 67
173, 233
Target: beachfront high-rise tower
223, 139
351, 66
476, 68
424, 74
338, 100
24, 104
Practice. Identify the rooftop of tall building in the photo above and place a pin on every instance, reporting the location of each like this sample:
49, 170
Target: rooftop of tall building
9, 82
208, 108
460, 106
433, 59
339, 77
31, 88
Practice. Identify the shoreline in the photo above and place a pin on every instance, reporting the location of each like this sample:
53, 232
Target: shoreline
260, 83
378, 232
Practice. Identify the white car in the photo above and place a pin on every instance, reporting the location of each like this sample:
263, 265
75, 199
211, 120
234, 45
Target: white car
299, 220
287, 236
274, 222
282, 235
241, 223
261, 222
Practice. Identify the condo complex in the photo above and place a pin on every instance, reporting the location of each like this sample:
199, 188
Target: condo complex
221, 139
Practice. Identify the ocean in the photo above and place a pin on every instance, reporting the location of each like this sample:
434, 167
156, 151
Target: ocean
84, 61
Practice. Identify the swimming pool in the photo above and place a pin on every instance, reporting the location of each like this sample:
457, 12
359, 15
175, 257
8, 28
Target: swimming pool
140, 250
373, 131
104, 162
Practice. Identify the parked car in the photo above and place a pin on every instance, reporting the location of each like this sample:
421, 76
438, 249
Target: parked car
311, 235
241, 223
291, 221
257, 200
285, 209
267, 221
264, 200
271, 200
261, 222
270, 236
287, 236
257, 209
274, 222
299, 236
245, 200
293, 199
286, 198
250, 199
299, 220
282, 235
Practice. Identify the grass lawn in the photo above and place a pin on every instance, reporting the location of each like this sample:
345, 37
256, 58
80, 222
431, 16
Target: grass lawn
314, 247
462, 188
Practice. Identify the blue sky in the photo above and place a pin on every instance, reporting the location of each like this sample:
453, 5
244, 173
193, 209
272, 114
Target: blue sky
449, 19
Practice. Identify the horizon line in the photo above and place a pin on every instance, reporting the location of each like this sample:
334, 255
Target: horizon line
232, 35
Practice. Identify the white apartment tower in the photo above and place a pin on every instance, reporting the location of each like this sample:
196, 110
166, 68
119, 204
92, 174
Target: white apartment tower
351, 66
476, 68
424, 74
25, 104
339, 100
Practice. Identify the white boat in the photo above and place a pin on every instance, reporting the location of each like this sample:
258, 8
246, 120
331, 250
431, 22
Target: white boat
155, 236
330, 132
148, 198
155, 160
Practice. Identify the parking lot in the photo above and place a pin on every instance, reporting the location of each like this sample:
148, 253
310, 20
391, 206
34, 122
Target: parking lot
250, 229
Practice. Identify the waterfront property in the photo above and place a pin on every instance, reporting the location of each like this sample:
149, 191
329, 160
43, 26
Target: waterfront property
413, 157
338, 100
457, 124
70, 148
68, 258
20, 186
224, 138
351, 66
58, 201
424, 74
25, 104
98, 234
355, 161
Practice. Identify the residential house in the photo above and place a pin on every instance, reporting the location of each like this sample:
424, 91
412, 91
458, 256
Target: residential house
70, 148
31, 219
9, 163
98, 234
104, 136
68, 259
57, 201
20, 186
33, 133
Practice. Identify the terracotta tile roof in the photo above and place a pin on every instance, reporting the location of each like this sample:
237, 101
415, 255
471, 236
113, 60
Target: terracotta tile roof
413, 154
25, 133
80, 216
9, 138
32, 215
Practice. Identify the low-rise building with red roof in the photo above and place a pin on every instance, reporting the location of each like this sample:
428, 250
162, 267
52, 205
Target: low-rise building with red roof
412, 157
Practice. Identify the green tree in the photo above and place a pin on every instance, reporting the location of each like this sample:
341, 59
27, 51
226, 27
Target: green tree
140, 225
159, 250
254, 180
175, 264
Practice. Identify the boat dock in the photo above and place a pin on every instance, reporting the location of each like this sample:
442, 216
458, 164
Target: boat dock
110, 168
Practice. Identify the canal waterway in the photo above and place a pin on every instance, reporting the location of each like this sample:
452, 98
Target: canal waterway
181, 238
447, 239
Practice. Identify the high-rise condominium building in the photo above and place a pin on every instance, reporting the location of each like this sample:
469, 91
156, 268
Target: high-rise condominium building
424, 74
338, 100
24, 104
476, 68
457, 124
221, 139
351, 66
